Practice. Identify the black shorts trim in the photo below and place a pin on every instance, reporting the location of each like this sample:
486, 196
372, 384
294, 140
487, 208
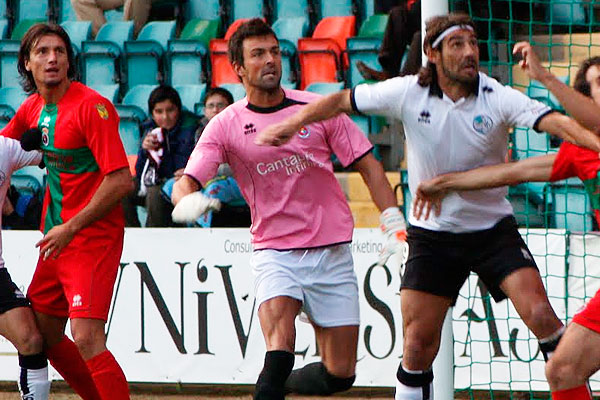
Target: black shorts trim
10, 295
440, 262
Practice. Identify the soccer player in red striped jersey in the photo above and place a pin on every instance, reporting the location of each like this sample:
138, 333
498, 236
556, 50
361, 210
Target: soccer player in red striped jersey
577, 356
82, 220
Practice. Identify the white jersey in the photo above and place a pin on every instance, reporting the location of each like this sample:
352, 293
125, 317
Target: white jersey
12, 157
445, 136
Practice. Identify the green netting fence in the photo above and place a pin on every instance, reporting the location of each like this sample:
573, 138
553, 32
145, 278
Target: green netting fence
496, 356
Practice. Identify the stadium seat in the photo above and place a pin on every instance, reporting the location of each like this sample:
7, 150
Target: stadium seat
233, 27
538, 91
529, 143
366, 9
145, 54
236, 89
202, 9
334, 8
221, 70
528, 206
138, 96
9, 51
365, 49
325, 88
31, 9
111, 92
101, 58
566, 12
10, 100
374, 26
244, 9
66, 11
78, 31
570, 206
29, 181
290, 9
336, 28
22, 27
3, 28
291, 28
4, 14
186, 56
406, 196
130, 119
191, 95
201, 30
319, 61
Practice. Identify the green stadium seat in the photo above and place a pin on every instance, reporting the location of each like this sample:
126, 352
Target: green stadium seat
366, 9
12, 96
201, 30
202, 9
9, 51
3, 10
191, 95
66, 11
144, 56
374, 26
538, 91
101, 58
111, 92
31, 9
288, 31
130, 119
569, 206
22, 27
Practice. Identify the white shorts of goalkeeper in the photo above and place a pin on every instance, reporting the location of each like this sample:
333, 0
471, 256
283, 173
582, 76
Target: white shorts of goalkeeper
323, 279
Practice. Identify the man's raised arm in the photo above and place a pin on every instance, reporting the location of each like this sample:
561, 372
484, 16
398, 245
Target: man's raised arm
320, 110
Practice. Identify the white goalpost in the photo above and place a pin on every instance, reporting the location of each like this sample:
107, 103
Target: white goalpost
443, 365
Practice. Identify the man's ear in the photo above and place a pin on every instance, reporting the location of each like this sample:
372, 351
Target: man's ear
432, 55
239, 70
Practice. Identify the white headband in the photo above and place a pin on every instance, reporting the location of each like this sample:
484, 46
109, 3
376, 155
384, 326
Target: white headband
448, 31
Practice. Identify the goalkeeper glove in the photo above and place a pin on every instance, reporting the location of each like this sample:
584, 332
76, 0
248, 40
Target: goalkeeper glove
192, 206
393, 227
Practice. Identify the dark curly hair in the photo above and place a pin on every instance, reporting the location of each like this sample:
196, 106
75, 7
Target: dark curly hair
434, 27
581, 84
251, 28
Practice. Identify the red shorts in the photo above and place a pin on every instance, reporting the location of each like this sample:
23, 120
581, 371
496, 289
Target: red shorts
590, 315
79, 283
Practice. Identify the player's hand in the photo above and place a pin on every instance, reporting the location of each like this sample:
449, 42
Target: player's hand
55, 240
276, 134
394, 228
530, 63
429, 196
192, 206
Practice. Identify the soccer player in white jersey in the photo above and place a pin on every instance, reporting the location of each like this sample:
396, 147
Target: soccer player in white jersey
17, 322
301, 222
455, 119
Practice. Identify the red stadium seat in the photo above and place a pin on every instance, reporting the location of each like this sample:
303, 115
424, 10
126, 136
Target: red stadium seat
319, 61
338, 29
233, 27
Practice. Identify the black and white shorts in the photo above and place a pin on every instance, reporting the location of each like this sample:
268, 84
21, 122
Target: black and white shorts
440, 262
10, 295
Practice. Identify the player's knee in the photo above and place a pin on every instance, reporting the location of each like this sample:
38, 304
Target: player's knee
90, 342
420, 345
562, 373
30, 343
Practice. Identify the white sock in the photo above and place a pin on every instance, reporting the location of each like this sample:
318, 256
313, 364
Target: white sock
420, 387
34, 384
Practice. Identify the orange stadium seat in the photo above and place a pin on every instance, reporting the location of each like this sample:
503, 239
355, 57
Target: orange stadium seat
319, 61
338, 29
221, 70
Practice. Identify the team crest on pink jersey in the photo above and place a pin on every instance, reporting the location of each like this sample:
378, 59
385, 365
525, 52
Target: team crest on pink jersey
304, 133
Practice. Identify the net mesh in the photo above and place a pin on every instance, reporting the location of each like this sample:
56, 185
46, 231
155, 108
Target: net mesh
496, 356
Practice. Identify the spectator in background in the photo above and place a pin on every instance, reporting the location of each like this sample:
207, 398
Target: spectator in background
403, 29
215, 101
167, 144
93, 10
235, 211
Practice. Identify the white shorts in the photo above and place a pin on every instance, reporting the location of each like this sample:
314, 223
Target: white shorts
322, 279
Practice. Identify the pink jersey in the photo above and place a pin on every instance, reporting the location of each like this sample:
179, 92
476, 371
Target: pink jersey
295, 200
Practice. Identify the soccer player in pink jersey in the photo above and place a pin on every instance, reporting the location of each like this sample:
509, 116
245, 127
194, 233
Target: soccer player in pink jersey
301, 222
82, 220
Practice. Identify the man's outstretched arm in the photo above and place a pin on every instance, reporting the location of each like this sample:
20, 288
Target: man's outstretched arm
320, 110
429, 194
